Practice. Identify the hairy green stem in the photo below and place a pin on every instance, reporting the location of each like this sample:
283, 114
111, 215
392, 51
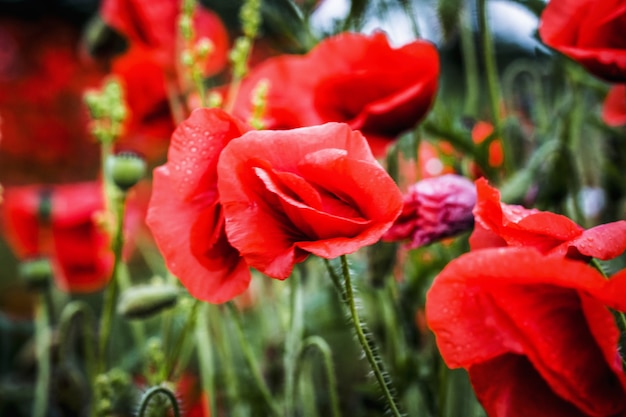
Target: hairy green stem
327, 358
367, 344
42, 349
145, 400
252, 362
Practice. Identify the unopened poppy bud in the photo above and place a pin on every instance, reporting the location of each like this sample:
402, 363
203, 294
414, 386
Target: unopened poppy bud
435, 208
36, 273
144, 301
126, 169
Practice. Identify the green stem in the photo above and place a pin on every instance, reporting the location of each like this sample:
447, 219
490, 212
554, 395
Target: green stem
71, 312
493, 88
110, 295
145, 400
367, 344
42, 337
293, 341
252, 362
174, 357
324, 349
470, 65
205, 356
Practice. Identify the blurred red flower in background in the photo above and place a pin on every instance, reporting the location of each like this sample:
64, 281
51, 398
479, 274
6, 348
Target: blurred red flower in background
289, 193
357, 79
153, 26
533, 331
59, 222
434, 208
499, 224
185, 214
614, 108
591, 32
43, 121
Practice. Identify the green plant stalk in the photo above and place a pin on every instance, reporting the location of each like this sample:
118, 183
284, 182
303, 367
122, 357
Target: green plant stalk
145, 400
42, 349
224, 351
70, 313
470, 64
366, 345
493, 88
293, 341
174, 356
252, 362
327, 358
205, 356
110, 295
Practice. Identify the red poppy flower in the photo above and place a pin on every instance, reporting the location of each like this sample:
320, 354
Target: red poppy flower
614, 108
185, 214
310, 190
43, 122
352, 78
153, 25
77, 246
591, 32
533, 331
149, 123
434, 208
499, 224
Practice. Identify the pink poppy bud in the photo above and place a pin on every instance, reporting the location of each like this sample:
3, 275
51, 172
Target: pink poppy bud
434, 208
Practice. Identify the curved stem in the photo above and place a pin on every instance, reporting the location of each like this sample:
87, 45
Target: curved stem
174, 357
111, 291
252, 362
367, 344
324, 349
70, 313
145, 400
42, 337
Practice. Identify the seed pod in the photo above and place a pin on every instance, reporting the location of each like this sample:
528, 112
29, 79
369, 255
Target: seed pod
144, 301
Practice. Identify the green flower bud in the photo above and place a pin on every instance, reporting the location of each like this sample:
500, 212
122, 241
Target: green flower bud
125, 169
36, 273
144, 301
186, 58
204, 47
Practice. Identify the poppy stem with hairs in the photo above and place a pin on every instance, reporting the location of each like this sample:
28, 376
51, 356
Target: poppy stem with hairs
159, 389
367, 344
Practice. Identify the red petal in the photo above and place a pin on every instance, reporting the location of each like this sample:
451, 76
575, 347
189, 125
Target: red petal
172, 222
509, 386
614, 108
195, 148
516, 300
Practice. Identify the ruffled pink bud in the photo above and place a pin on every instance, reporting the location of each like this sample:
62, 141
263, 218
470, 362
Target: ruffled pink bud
434, 208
